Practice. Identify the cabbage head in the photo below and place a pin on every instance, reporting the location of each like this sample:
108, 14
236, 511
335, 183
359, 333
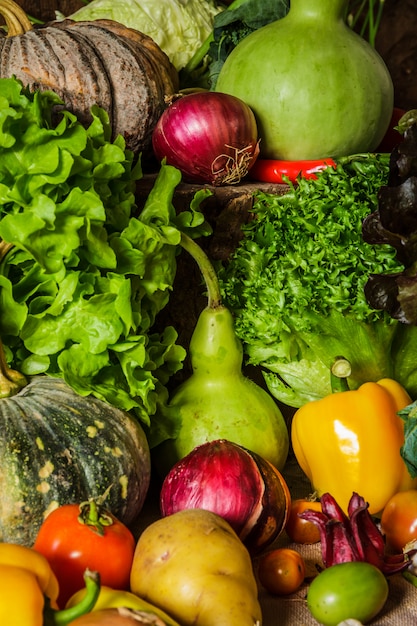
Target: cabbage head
179, 27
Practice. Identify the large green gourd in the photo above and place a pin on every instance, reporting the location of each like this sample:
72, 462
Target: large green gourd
218, 401
317, 88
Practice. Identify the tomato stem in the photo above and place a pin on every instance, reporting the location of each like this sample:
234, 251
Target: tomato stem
94, 516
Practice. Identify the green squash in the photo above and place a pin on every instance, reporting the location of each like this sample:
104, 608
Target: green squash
57, 447
218, 401
317, 88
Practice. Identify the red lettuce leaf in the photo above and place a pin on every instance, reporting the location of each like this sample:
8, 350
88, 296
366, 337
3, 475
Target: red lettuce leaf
395, 223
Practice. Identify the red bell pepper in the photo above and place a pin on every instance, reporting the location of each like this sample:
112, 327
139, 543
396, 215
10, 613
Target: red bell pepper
280, 172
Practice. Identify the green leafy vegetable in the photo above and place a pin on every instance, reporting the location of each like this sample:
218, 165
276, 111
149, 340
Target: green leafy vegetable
230, 26
83, 274
364, 16
409, 449
296, 286
179, 27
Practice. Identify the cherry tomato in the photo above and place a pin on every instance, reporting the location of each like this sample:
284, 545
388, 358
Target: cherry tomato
399, 519
281, 571
300, 530
71, 546
352, 590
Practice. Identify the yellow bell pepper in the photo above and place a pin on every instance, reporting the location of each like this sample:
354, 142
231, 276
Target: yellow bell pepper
113, 599
350, 441
29, 559
30, 590
24, 599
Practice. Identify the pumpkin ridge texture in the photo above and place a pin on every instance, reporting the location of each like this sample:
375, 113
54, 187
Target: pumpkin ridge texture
58, 447
101, 62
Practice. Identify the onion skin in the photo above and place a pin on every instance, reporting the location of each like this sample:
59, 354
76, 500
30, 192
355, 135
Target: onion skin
235, 483
210, 137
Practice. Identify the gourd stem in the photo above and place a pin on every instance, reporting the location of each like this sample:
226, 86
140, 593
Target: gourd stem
4, 248
11, 381
17, 22
339, 373
206, 269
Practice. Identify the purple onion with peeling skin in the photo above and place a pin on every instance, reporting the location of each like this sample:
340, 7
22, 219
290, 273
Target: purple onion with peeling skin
237, 484
210, 137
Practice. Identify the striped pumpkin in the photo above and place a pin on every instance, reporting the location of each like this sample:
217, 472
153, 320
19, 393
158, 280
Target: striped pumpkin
100, 62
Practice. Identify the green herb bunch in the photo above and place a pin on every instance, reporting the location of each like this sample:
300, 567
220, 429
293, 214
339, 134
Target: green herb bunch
296, 286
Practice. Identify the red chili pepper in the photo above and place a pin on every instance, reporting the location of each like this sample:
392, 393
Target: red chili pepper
276, 171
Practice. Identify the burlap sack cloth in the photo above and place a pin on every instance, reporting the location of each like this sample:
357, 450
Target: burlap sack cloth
400, 608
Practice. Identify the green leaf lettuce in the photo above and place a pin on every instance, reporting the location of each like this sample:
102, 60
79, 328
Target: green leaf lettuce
83, 272
296, 286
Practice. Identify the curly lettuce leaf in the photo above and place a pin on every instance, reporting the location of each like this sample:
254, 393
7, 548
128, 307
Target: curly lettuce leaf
83, 273
296, 286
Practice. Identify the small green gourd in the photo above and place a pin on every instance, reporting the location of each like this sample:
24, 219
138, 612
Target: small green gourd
218, 401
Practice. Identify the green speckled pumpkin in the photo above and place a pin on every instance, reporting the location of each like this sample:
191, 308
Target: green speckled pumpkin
58, 447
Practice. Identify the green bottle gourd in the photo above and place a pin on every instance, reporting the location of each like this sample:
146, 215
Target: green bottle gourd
316, 87
218, 401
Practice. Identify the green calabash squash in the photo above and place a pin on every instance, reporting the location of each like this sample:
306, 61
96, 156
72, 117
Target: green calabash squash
57, 447
317, 88
218, 401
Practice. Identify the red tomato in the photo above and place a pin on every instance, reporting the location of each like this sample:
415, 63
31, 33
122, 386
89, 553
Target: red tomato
399, 519
281, 571
72, 546
300, 530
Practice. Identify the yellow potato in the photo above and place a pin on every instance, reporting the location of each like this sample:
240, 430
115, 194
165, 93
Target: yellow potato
194, 566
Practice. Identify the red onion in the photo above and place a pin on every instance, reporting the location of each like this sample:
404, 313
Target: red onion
210, 137
237, 484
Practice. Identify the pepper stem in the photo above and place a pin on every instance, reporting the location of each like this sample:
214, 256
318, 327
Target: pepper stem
17, 22
339, 373
85, 605
206, 269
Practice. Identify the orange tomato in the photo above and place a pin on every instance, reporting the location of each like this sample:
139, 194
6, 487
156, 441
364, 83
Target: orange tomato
399, 519
281, 571
298, 529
